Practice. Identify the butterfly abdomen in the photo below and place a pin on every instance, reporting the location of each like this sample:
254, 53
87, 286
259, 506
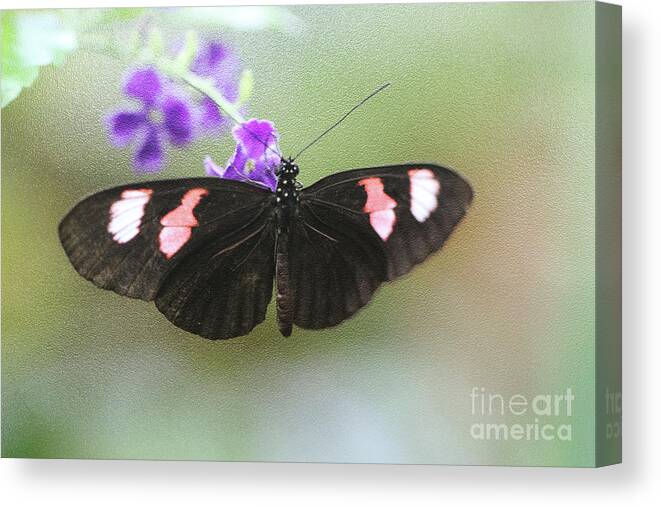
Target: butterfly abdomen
284, 297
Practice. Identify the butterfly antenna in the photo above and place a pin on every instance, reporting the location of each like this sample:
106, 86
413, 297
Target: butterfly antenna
318, 138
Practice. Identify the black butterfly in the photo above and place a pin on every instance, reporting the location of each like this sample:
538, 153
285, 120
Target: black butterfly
207, 250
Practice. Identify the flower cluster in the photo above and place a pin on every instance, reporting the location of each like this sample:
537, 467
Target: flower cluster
165, 113
222, 67
162, 115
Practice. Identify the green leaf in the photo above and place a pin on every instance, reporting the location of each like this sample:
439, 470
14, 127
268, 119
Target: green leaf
246, 86
30, 40
123, 13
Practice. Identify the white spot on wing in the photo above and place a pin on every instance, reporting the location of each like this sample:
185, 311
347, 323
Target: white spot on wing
126, 214
424, 193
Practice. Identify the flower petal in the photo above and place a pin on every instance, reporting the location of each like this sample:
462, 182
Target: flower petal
177, 121
210, 116
227, 76
124, 125
144, 85
211, 169
231, 173
235, 169
255, 135
244, 165
208, 58
230, 90
150, 156
264, 174
246, 169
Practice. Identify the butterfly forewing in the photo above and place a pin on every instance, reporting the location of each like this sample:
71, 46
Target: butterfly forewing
127, 239
412, 209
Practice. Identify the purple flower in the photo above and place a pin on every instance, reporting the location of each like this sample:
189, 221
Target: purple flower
256, 155
162, 116
216, 62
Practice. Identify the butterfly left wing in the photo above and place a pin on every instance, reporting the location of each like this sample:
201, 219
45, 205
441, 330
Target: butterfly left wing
357, 229
202, 248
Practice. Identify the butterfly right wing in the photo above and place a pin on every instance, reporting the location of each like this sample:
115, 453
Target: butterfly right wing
363, 227
411, 208
335, 266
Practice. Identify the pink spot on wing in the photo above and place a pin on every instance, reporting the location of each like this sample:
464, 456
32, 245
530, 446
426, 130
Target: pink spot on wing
182, 215
172, 239
383, 222
380, 206
178, 223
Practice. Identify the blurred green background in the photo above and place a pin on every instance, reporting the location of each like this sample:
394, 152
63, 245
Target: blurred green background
504, 93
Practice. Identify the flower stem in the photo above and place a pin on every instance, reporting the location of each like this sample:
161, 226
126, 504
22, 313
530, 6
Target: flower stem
204, 86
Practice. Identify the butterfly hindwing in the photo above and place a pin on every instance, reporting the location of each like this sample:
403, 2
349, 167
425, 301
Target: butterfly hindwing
335, 265
222, 289
411, 208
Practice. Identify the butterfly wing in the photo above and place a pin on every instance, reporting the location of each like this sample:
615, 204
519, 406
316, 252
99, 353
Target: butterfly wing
196, 236
411, 208
222, 289
335, 265
364, 227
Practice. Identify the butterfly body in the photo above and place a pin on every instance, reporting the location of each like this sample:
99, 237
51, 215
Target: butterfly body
209, 251
287, 200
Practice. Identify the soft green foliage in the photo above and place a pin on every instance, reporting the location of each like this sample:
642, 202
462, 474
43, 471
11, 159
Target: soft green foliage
185, 57
246, 85
245, 19
29, 41
155, 43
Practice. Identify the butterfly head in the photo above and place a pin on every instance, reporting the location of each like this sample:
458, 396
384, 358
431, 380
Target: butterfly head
287, 168
288, 188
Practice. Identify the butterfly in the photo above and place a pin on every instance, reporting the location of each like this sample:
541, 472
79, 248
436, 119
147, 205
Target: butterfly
209, 251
